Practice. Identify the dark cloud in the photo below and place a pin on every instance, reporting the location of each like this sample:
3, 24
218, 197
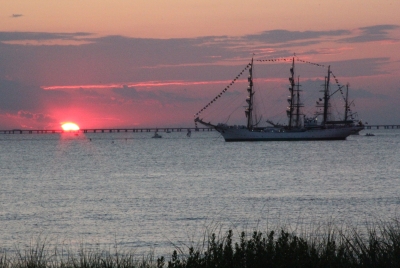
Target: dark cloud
297, 44
379, 29
153, 52
17, 96
359, 67
284, 36
112, 59
365, 94
40, 36
312, 92
128, 92
116, 59
36, 117
372, 33
172, 97
131, 94
176, 53
88, 93
16, 15
344, 68
24, 114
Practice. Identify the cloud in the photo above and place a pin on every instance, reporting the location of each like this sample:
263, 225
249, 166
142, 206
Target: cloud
360, 67
115, 74
37, 117
128, 92
202, 52
131, 94
88, 93
40, 36
27, 120
17, 96
284, 36
112, 59
365, 94
16, 15
372, 34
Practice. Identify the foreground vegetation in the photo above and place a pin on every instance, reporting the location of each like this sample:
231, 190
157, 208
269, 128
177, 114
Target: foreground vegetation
379, 246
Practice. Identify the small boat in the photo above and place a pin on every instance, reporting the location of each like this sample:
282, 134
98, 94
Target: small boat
369, 135
156, 135
320, 126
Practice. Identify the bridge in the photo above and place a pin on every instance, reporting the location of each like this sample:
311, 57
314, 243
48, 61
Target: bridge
123, 130
101, 130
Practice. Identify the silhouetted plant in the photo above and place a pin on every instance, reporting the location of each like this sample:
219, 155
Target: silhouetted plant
378, 247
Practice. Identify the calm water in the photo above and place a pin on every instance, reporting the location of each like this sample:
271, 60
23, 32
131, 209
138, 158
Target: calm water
99, 189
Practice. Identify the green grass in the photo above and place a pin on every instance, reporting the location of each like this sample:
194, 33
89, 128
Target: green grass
378, 246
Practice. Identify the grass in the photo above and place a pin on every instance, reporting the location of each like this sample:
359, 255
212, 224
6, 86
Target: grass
378, 246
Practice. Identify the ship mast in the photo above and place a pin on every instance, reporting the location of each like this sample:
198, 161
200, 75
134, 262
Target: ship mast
326, 96
249, 100
291, 97
298, 104
346, 106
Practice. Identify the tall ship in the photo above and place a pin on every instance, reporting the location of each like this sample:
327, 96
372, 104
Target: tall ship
299, 127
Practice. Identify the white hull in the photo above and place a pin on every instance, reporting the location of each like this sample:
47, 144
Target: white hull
275, 134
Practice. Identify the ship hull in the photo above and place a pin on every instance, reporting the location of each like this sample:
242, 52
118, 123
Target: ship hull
243, 134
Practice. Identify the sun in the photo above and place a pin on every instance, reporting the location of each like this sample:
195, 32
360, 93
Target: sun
69, 126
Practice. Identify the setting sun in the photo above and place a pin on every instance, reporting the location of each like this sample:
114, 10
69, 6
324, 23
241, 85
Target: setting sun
69, 126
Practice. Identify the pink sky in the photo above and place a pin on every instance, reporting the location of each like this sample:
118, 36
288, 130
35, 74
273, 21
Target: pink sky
157, 63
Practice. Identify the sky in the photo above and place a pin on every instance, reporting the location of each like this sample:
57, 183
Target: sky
115, 64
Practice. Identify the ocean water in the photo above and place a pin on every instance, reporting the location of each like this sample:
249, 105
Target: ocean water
138, 193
